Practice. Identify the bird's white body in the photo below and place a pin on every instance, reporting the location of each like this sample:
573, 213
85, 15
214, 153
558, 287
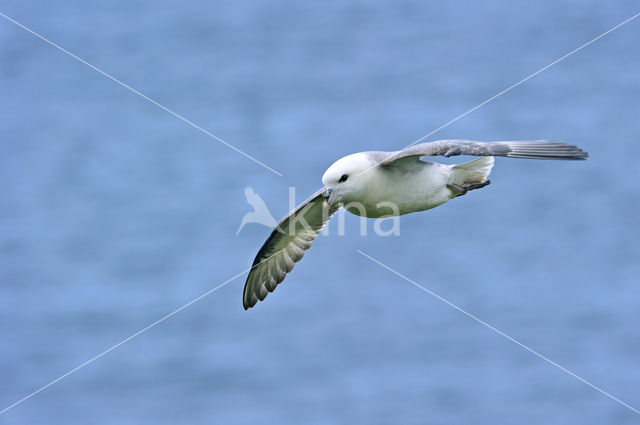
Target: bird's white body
408, 186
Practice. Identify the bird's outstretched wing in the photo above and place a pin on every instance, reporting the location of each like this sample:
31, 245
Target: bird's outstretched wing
286, 246
534, 149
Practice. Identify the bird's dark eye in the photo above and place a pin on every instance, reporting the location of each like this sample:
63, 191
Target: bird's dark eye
343, 178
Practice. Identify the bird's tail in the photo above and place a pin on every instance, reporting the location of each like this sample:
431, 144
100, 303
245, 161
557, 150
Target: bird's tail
471, 172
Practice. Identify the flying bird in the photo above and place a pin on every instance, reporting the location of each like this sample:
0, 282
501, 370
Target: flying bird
368, 183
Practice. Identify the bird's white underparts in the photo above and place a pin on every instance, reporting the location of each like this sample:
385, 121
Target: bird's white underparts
382, 184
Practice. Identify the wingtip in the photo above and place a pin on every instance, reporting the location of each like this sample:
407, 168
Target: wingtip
249, 300
580, 154
246, 300
247, 304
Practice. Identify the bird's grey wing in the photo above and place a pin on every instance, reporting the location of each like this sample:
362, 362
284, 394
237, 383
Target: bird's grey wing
286, 246
535, 149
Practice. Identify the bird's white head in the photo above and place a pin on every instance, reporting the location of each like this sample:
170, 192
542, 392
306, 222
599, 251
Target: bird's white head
347, 177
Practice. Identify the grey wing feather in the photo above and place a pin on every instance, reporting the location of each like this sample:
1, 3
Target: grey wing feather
286, 246
535, 149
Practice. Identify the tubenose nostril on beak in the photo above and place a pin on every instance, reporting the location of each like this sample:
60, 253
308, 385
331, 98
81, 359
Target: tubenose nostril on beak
327, 196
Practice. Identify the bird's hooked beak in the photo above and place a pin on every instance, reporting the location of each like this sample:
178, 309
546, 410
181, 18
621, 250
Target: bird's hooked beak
330, 196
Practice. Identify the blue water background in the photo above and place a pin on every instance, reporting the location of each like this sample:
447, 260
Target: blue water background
114, 213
